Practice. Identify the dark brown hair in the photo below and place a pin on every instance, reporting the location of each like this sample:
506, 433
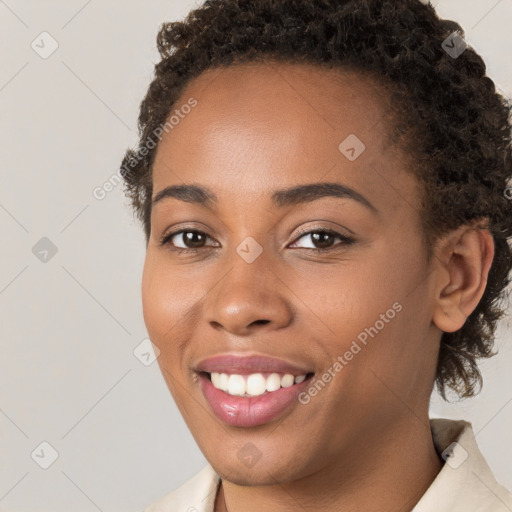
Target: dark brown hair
448, 116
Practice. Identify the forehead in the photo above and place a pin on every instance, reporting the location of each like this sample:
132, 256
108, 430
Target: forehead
272, 123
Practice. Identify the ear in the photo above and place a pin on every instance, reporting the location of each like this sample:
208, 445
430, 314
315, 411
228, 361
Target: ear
464, 259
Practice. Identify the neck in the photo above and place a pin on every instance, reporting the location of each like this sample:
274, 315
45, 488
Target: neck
391, 473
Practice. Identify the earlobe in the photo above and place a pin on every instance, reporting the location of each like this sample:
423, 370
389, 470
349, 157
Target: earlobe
463, 262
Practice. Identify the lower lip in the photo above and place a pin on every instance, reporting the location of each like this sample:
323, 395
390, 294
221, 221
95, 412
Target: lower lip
240, 411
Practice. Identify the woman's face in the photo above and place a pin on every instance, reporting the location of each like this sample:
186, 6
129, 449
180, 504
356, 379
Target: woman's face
356, 313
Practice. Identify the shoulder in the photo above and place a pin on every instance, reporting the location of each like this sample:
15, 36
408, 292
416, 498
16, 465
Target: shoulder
195, 495
465, 483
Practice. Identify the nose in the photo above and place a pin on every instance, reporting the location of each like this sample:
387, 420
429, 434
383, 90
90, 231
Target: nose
250, 297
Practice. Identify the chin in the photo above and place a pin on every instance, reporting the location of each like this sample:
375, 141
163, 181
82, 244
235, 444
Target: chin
266, 471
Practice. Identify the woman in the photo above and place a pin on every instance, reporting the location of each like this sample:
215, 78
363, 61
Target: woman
323, 189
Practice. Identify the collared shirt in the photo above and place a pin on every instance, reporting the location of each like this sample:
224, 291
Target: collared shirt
464, 484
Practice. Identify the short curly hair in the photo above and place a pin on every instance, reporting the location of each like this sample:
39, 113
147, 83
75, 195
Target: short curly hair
448, 116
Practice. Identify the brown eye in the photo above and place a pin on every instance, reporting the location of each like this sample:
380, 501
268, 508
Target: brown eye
186, 239
192, 239
323, 239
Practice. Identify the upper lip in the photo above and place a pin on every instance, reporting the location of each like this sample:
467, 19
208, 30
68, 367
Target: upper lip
246, 364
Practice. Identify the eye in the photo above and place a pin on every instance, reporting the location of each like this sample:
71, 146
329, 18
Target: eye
322, 240
191, 240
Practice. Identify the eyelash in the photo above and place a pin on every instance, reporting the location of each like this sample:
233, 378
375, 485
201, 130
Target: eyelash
347, 241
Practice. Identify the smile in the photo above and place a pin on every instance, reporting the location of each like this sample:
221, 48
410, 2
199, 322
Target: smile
254, 384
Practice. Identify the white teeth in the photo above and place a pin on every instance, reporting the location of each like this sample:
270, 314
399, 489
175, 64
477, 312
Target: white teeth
236, 385
254, 384
287, 380
273, 382
215, 380
223, 381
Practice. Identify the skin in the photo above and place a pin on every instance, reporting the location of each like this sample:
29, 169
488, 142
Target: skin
363, 442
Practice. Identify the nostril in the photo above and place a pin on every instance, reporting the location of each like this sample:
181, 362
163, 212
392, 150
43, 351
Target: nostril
260, 322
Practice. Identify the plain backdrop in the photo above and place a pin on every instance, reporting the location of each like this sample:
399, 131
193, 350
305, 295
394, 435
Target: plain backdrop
70, 306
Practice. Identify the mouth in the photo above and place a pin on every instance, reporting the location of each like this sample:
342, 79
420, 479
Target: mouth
245, 410
254, 384
247, 390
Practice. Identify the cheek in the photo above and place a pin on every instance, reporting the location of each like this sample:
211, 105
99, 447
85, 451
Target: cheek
153, 305
381, 309
349, 297
171, 304
162, 300
364, 313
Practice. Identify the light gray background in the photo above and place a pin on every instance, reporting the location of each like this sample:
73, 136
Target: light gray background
68, 327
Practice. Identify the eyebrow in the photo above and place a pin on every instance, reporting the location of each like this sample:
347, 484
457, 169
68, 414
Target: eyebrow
299, 194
